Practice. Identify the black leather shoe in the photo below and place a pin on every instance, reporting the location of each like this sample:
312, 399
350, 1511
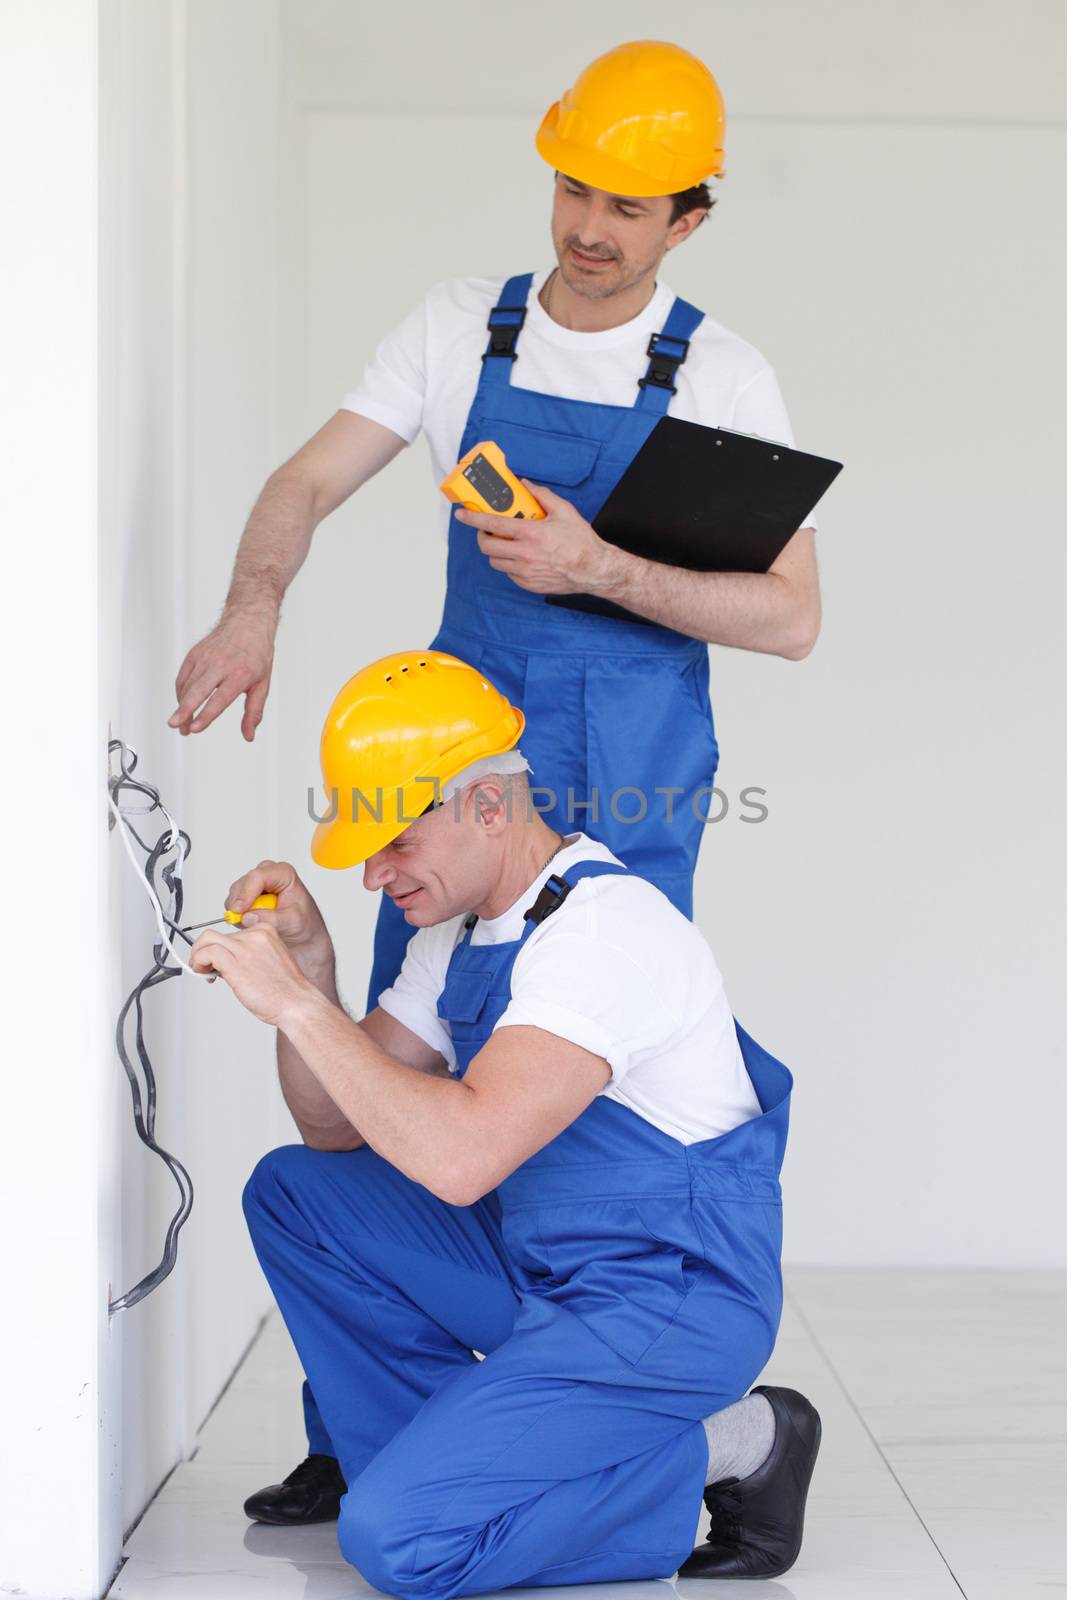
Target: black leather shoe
311, 1493
757, 1522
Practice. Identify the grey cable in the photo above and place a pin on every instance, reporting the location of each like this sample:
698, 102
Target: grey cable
170, 906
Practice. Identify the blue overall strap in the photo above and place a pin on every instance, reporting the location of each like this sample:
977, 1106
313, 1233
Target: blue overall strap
667, 350
468, 929
471, 989
557, 887
505, 323
553, 893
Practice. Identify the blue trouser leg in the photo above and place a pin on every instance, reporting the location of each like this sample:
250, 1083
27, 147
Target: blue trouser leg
386, 1291
319, 1441
551, 1461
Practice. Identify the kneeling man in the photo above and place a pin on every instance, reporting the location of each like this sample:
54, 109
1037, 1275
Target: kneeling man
549, 1145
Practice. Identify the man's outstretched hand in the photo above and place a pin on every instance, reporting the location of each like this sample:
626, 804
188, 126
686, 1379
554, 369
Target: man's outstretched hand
236, 657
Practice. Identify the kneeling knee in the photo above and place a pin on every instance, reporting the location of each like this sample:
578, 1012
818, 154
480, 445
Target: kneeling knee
371, 1542
276, 1169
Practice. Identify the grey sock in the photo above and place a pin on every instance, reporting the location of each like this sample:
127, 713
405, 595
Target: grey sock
739, 1438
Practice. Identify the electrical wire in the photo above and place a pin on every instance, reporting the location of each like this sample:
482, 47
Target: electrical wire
163, 865
171, 841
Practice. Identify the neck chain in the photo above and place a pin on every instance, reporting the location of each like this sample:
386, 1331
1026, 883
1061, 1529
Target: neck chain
556, 851
473, 917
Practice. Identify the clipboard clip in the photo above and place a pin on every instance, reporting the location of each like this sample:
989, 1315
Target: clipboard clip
663, 363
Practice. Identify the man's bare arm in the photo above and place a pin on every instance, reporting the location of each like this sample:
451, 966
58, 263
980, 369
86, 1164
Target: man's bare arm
237, 656
322, 1125
458, 1137
334, 463
777, 612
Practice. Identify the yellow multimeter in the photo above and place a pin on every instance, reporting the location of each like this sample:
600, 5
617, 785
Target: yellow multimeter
483, 481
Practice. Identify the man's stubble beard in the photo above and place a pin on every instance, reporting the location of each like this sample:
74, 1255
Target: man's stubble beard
592, 289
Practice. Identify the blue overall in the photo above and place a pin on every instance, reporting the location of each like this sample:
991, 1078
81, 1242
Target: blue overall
615, 710
621, 1286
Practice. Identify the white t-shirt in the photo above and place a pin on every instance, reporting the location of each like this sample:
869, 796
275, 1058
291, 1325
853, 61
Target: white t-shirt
424, 373
617, 970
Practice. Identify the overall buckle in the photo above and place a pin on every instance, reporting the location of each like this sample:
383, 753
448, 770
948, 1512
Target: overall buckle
663, 366
550, 899
503, 335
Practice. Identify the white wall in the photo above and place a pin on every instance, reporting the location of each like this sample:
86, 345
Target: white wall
188, 326
53, 822
233, 1106
138, 398
890, 235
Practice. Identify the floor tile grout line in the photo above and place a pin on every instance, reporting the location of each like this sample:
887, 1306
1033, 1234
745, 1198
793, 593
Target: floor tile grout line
241, 1359
154, 1496
823, 1354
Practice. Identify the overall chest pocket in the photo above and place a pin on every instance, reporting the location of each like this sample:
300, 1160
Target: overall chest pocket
558, 460
464, 997
467, 1009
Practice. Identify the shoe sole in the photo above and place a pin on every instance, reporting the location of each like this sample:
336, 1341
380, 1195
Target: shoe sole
289, 1522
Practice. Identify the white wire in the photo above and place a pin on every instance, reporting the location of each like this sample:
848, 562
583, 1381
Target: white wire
175, 844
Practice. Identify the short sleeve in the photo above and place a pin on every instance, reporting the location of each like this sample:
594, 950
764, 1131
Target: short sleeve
592, 993
412, 999
392, 390
760, 409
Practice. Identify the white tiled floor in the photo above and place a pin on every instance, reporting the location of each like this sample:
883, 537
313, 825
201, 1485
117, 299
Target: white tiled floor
943, 1469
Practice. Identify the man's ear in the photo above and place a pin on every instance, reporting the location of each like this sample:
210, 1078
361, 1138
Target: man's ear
493, 800
686, 224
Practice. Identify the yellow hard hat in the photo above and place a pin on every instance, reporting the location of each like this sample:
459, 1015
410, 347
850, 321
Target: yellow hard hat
645, 119
415, 715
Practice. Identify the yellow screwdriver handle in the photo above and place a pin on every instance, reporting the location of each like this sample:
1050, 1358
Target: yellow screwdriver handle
263, 902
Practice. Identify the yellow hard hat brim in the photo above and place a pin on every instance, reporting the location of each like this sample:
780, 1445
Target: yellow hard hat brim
600, 171
340, 843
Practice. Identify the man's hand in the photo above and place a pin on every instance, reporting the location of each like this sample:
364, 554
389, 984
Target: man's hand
235, 658
297, 920
260, 970
561, 554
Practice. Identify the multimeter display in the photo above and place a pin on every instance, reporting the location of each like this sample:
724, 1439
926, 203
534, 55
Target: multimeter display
483, 481
494, 489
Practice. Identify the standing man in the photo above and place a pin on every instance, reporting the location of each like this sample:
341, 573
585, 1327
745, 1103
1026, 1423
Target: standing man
568, 371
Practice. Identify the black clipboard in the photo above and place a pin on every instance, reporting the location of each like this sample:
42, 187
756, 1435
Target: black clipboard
709, 500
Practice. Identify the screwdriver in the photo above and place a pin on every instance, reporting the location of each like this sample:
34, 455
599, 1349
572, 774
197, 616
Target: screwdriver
263, 902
